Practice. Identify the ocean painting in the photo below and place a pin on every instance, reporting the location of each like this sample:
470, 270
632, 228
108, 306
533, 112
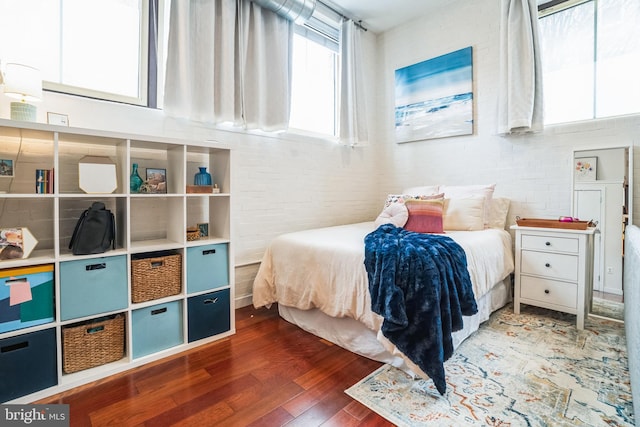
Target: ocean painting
434, 98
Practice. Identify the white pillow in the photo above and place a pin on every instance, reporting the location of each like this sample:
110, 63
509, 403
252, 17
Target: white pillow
424, 190
466, 191
499, 212
464, 214
396, 214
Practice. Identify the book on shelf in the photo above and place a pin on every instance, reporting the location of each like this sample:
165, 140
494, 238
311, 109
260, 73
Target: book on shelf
44, 181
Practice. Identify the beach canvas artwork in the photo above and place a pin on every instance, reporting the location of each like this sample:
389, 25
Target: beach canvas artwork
434, 98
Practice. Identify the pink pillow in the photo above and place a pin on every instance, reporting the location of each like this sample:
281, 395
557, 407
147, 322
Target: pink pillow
425, 216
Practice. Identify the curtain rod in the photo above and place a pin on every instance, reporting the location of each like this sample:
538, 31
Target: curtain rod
356, 23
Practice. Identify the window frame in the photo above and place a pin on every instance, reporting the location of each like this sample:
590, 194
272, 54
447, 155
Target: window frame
551, 7
323, 28
149, 47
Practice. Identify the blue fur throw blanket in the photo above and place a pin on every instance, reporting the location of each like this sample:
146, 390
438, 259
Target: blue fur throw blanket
420, 284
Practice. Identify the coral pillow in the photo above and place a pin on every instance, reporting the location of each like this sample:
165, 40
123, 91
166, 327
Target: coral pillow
425, 216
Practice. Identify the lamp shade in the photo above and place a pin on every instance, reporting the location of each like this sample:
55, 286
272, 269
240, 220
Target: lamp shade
22, 82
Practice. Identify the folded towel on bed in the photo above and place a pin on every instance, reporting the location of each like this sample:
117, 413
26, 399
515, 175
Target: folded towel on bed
420, 285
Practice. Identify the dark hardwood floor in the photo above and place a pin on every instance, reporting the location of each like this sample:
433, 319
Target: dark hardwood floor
270, 373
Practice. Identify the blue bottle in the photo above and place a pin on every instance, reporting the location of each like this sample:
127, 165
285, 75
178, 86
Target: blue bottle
203, 177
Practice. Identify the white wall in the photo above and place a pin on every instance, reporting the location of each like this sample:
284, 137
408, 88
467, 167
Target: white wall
535, 172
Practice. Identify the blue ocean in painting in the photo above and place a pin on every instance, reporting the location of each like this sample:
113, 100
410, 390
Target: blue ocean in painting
434, 98
413, 112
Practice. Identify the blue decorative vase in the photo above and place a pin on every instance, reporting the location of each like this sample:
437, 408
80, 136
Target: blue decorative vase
135, 181
203, 177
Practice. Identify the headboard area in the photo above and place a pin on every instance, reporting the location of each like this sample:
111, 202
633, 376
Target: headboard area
631, 313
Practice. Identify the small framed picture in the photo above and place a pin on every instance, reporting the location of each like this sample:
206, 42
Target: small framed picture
57, 119
204, 229
157, 180
586, 168
6, 168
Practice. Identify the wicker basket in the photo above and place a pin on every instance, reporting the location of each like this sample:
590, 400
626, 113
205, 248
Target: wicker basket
193, 233
92, 343
158, 277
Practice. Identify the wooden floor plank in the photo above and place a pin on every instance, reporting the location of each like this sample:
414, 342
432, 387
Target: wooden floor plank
270, 373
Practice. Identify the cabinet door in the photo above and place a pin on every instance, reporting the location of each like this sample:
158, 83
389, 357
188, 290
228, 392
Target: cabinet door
587, 207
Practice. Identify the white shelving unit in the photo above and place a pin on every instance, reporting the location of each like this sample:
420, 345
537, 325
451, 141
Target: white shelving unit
146, 224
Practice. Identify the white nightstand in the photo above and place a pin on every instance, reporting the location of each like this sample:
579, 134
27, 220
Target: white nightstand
554, 269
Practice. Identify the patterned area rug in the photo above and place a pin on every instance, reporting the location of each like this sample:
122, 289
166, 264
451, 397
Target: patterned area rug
531, 369
606, 308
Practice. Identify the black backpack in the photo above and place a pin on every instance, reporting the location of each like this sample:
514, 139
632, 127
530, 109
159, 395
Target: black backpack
95, 231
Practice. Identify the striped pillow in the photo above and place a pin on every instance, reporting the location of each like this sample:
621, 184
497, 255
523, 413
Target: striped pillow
425, 216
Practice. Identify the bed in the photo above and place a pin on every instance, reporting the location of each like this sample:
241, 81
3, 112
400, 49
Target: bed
320, 283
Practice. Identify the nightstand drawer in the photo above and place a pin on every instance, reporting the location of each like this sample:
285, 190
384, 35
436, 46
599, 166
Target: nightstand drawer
549, 291
556, 266
550, 243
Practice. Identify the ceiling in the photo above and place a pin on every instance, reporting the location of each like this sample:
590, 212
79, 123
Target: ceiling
382, 15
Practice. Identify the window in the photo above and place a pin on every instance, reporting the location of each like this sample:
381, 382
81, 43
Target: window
591, 58
314, 87
95, 48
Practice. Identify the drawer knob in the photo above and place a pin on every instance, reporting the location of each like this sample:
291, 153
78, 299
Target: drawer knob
547, 243
547, 265
547, 291
210, 301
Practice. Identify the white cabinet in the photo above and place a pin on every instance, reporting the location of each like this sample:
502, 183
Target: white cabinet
603, 201
147, 224
554, 269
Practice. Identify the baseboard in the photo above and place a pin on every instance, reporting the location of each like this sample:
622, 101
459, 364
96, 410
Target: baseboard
244, 301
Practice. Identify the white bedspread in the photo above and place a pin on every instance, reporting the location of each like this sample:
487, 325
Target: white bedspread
324, 268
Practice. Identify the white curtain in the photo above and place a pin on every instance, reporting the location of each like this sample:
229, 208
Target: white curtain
266, 61
352, 104
201, 81
520, 106
228, 61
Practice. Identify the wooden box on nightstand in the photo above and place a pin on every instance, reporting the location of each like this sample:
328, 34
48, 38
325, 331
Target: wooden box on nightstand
554, 269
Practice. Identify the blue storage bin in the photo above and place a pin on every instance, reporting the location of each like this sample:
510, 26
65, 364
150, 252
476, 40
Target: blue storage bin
22, 308
207, 267
27, 364
93, 286
208, 315
156, 328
